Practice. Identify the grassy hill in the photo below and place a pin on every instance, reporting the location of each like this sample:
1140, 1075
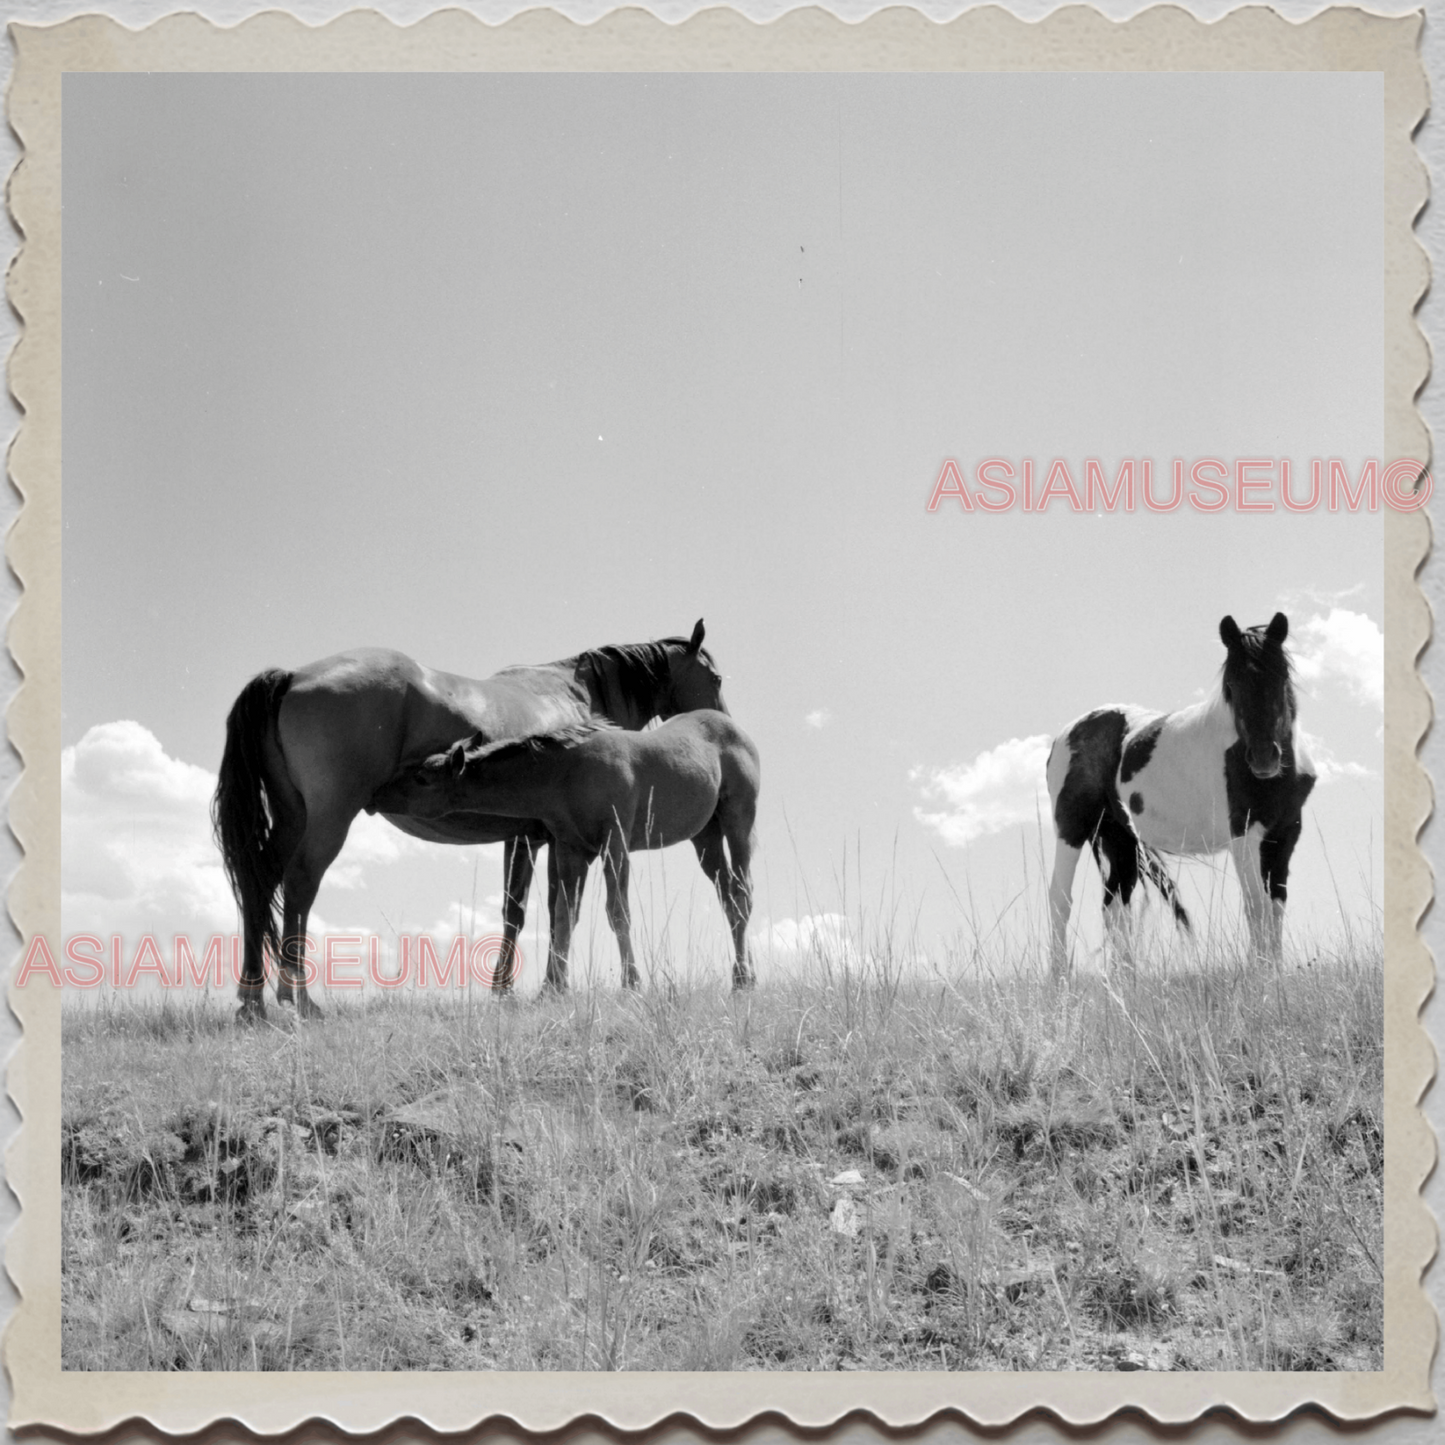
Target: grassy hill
847, 1170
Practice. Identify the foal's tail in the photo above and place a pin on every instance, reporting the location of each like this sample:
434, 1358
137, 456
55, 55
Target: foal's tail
244, 810
1154, 868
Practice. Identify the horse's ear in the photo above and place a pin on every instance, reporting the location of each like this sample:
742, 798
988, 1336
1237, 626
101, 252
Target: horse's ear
1278, 628
1229, 633
697, 635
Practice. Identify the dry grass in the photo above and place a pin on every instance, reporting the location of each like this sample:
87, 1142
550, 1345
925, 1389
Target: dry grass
1179, 1171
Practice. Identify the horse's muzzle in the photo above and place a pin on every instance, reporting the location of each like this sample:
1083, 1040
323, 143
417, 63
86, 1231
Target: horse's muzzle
1267, 762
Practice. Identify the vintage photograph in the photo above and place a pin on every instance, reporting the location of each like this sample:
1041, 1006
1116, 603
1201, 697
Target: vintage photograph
722, 722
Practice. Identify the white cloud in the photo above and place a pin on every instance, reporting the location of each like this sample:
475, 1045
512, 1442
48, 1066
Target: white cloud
135, 840
999, 788
818, 718
136, 850
371, 840
1345, 647
460, 922
1327, 766
814, 933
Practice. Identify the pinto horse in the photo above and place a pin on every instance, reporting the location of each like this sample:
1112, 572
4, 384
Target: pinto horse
307, 750
1228, 772
602, 792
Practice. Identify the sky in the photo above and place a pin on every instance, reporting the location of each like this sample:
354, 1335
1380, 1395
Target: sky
490, 369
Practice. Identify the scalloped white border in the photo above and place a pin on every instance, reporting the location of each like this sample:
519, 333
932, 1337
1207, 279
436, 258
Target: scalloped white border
990, 39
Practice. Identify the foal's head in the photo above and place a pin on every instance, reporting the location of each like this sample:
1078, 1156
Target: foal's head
421, 790
1259, 692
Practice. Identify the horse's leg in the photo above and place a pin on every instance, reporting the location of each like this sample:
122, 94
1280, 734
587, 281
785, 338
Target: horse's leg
1245, 850
1275, 850
567, 876
712, 857
556, 975
338, 747
714, 861
738, 830
519, 861
289, 829
1119, 930
288, 809
1117, 851
1061, 895
617, 871
325, 835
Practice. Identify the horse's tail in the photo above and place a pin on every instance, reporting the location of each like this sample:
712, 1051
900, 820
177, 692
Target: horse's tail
1158, 874
244, 810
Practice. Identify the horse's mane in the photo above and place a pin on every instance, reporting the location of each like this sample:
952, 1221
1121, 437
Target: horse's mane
640, 667
558, 740
1274, 662
635, 673
631, 678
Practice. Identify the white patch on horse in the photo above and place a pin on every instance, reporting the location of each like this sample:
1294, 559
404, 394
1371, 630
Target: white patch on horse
1185, 811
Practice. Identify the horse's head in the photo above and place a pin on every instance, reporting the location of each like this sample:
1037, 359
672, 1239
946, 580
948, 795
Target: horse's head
693, 681
1259, 692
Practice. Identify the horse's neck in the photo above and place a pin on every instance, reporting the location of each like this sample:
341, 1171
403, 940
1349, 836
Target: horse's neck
515, 786
1211, 718
611, 699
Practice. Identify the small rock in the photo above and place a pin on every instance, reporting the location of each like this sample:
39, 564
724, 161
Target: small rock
968, 1188
844, 1218
847, 1177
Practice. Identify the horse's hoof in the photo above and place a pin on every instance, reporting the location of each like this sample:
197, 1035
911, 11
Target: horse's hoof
298, 1005
251, 1013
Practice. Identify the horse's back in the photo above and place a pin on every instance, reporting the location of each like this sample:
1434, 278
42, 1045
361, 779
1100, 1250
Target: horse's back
719, 729
681, 772
349, 721
517, 700
358, 670
737, 753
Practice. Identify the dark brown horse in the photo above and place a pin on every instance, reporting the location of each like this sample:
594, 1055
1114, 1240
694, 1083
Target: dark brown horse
605, 793
306, 750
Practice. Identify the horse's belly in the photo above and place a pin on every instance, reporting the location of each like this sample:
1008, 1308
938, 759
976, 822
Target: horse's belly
1177, 814
1184, 833
461, 828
